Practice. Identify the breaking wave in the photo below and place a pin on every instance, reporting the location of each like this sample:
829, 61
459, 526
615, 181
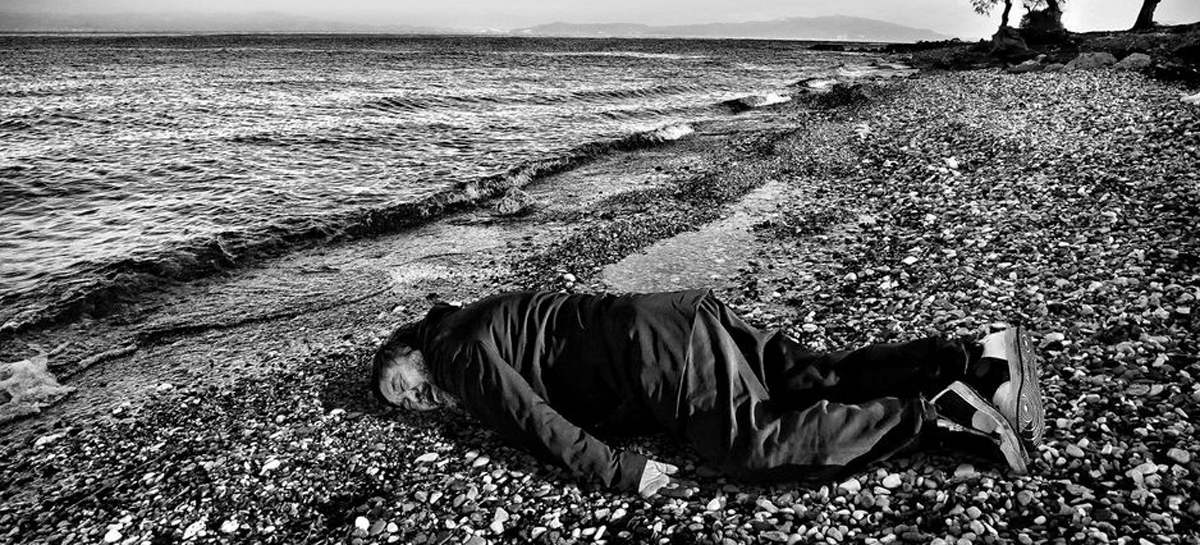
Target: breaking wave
118, 282
408, 104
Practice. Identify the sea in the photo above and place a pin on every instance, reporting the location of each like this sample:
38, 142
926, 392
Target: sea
164, 157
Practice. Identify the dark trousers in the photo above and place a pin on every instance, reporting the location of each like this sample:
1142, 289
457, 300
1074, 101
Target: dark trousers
786, 413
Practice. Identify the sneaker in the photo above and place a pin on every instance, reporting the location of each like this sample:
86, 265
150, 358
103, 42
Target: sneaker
961, 408
1019, 398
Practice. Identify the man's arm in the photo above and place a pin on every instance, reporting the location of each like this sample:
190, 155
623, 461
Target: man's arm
498, 395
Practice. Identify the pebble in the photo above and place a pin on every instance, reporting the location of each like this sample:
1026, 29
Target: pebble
775, 535
852, 486
892, 481
112, 536
715, 504
1056, 337
193, 529
47, 439
426, 458
1147, 468
1074, 451
498, 519
228, 527
1179, 456
362, 523
965, 471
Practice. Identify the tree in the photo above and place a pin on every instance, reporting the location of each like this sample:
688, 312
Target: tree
1050, 7
984, 7
1042, 22
1145, 18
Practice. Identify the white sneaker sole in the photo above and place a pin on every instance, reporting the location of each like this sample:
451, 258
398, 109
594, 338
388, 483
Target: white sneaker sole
1030, 414
1010, 444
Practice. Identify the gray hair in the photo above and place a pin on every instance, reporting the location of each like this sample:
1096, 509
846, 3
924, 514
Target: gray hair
405, 336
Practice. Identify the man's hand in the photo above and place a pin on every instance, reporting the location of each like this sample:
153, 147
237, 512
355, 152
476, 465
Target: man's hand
656, 478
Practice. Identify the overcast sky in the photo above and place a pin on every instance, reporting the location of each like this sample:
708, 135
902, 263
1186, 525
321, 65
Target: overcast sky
953, 17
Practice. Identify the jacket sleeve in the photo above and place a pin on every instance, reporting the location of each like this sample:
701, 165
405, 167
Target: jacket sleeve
499, 396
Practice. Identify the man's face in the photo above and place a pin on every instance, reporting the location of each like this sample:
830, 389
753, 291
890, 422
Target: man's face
405, 382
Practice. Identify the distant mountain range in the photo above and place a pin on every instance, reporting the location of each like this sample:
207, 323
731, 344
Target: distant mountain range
266, 21
832, 28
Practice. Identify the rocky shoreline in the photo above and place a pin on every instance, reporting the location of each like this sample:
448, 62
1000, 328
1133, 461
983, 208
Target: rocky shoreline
952, 202
1166, 53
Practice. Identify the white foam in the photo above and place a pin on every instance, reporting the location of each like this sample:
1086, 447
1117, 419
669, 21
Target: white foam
29, 387
672, 132
773, 98
818, 84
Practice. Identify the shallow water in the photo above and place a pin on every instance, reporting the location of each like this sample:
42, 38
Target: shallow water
127, 151
709, 257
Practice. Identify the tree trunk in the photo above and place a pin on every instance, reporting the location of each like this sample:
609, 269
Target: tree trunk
1145, 18
1052, 5
1008, 9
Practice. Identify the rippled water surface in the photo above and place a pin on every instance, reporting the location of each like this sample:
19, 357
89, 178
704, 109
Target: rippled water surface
126, 149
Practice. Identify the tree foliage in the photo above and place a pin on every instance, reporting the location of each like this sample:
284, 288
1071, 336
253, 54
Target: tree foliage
984, 7
1043, 5
1041, 12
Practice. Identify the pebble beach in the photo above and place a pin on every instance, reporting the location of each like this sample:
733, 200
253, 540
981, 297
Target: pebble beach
235, 409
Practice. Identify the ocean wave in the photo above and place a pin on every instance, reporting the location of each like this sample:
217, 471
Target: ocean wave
649, 113
626, 54
672, 132
50, 117
412, 104
115, 283
14, 124
625, 93
753, 102
408, 104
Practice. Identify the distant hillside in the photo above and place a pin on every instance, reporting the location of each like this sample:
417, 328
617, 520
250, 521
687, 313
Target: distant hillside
192, 22
833, 28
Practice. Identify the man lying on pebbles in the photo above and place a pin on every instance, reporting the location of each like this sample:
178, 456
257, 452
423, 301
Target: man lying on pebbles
546, 371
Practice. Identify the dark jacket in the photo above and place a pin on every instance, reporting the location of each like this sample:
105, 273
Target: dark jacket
544, 369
